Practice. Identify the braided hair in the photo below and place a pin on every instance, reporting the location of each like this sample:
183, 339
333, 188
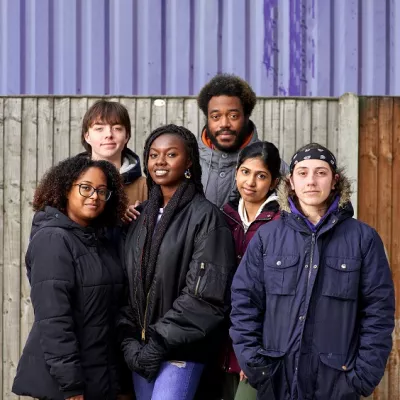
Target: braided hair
191, 146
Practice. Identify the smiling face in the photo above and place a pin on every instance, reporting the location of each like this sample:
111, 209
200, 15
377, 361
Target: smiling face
226, 123
83, 210
254, 181
312, 181
107, 141
168, 160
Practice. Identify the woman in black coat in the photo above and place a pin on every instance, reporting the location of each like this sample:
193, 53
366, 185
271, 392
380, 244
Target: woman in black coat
179, 256
77, 285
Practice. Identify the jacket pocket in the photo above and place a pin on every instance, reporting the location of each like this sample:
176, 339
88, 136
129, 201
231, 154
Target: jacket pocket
269, 378
341, 277
280, 274
332, 382
210, 282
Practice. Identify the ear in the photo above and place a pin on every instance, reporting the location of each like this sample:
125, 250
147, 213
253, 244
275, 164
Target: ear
189, 164
291, 182
335, 181
274, 184
87, 137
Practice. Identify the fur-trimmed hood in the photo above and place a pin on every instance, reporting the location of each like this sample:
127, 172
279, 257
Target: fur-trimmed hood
343, 185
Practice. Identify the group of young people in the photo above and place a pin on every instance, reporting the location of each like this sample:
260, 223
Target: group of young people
224, 273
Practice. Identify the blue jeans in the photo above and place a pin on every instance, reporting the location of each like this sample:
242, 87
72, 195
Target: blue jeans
172, 382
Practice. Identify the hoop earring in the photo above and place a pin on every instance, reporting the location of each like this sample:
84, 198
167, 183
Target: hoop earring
188, 175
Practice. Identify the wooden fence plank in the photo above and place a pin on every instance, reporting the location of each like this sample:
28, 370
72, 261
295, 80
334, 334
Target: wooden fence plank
287, 139
303, 123
175, 112
385, 162
143, 123
130, 105
272, 122
2, 154
384, 202
348, 128
45, 135
332, 127
78, 109
92, 100
12, 242
61, 129
319, 122
394, 361
158, 113
368, 177
257, 116
28, 185
191, 117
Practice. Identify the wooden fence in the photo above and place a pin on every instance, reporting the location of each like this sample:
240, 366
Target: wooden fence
379, 205
36, 132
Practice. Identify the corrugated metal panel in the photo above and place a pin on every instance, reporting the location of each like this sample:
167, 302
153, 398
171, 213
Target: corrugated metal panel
172, 47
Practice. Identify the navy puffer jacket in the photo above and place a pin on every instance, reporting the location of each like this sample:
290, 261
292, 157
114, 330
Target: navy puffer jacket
313, 312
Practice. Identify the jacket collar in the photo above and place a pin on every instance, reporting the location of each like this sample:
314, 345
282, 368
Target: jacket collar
270, 209
53, 218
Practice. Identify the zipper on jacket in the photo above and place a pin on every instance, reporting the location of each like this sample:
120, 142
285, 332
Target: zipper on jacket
201, 274
311, 257
144, 318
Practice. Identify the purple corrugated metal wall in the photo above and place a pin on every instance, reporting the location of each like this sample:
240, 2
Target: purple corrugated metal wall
172, 47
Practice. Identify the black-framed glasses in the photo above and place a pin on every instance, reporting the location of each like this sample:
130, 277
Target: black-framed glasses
86, 190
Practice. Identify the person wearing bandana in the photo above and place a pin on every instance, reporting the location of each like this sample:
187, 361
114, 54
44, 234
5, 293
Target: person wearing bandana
313, 299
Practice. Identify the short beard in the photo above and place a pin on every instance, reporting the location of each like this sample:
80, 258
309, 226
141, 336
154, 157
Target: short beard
239, 140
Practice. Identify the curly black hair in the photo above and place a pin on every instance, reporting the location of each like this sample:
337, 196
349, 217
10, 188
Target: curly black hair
191, 146
227, 85
58, 180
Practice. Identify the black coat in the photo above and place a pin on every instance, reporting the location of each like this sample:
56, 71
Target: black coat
189, 296
77, 285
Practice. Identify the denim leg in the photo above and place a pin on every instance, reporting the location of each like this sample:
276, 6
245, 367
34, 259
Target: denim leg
143, 389
177, 382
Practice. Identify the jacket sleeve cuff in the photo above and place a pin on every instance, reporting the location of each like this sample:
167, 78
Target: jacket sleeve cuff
71, 393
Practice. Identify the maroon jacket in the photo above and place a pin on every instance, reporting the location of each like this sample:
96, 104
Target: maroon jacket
242, 239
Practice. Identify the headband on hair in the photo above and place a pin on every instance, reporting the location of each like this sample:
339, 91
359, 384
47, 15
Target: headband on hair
313, 154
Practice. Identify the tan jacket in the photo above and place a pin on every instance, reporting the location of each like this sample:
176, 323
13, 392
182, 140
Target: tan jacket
136, 190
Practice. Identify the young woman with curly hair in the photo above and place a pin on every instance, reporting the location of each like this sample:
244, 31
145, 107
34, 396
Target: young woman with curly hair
179, 255
77, 285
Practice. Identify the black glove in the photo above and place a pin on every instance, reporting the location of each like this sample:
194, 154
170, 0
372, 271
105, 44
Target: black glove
131, 349
150, 358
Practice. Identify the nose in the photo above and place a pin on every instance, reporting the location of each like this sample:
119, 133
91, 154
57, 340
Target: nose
310, 179
225, 122
94, 194
251, 181
108, 131
161, 160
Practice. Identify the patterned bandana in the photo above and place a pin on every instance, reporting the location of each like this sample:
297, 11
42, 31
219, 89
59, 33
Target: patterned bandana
313, 154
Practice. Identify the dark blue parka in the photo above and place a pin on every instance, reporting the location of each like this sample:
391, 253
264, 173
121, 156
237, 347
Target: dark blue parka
313, 311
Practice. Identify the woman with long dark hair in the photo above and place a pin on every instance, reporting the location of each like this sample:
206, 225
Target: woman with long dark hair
179, 258
253, 204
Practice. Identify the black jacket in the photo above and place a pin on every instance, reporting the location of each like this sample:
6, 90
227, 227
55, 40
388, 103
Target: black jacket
77, 286
189, 296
